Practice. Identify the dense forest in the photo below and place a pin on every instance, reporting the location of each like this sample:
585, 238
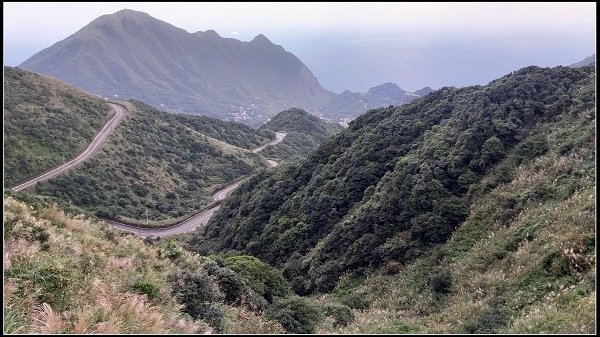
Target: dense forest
159, 165
400, 181
304, 133
46, 122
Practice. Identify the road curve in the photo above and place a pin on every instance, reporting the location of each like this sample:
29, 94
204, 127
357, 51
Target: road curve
94, 147
223, 192
200, 218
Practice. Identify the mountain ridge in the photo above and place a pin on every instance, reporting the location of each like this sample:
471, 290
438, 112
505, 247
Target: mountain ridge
130, 54
304, 133
399, 180
348, 105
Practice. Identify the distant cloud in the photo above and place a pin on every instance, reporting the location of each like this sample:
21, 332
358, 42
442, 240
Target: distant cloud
235, 33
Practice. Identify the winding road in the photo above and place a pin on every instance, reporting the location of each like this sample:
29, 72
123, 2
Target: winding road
202, 217
185, 226
94, 147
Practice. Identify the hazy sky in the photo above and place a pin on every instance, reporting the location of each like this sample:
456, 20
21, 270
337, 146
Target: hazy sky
354, 45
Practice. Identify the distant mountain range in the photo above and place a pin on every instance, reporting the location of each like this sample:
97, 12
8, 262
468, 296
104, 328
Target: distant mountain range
130, 54
588, 61
348, 105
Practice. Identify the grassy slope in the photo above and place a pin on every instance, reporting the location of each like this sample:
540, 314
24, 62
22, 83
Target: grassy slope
45, 120
158, 162
527, 268
304, 133
65, 274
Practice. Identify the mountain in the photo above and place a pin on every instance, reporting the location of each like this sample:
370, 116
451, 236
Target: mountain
130, 54
588, 61
165, 164
478, 201
424, 91
348, 105
304, 133
45, 122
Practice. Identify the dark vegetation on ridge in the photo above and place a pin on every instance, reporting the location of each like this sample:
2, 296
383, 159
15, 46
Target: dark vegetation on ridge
304, 133
400, 181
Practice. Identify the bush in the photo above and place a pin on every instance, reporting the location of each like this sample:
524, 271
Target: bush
236, 291
143, 286
172, 250
296, 314
197, 292
440, 280
392, 268
215, 314
341, 314
261, 277
355, 301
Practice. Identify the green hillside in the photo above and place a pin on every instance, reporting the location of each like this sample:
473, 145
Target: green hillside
66, 274
159, 165
304, 133
400, 182
45, 122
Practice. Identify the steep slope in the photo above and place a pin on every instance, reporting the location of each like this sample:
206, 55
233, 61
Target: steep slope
163, 163
159, 166
348, 105
69, 274
304, 133
588, 61
523, 261
46, 122
130, 54
400, 181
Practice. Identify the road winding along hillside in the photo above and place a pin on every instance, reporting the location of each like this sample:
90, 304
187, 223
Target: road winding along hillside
94, 147
185, 226
202, 217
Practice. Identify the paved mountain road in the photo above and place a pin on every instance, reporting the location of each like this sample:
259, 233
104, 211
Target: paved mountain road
94, 147
200, 218
185, 226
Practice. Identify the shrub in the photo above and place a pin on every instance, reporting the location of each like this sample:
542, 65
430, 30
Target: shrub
440, 280
144, 286
341, 314
261, 277
172, 250
392, 268
197, 292
236, 291
296, 314
355, 301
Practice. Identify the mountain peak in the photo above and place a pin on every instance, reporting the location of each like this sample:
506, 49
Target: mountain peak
208, 34
588, 61
387, 89
260, 38
129, 14
424, 91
